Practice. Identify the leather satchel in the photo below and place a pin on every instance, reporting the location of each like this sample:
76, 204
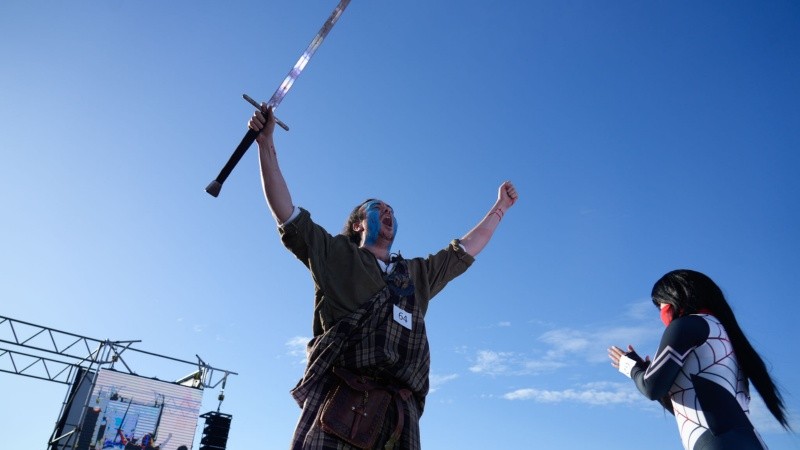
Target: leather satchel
355, 409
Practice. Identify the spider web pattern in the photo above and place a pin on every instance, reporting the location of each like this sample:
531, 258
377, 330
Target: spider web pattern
713, 360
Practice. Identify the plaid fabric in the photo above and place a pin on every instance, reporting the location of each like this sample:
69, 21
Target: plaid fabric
372, 343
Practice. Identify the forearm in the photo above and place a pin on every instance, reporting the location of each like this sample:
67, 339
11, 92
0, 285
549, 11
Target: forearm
634, 367
477, 238
274, 185
657, 387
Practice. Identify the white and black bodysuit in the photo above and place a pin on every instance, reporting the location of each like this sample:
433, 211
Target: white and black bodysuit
696, 368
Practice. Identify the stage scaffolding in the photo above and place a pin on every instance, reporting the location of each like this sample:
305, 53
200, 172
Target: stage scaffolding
45, 353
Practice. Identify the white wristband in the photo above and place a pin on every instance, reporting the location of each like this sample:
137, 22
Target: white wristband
626, 365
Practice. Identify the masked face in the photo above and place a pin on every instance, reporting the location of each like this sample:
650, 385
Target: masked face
666, 313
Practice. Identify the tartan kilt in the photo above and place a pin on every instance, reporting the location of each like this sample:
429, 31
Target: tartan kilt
370, 342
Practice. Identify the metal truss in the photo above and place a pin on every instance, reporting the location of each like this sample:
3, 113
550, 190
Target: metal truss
55, 354
48, 354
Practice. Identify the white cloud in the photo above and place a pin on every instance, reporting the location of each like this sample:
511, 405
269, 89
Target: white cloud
438, 380
296, 347
491, 363
564, 347
501, 324
591, 346
509, 363
593, 394
642, 310
566, 341
532, 366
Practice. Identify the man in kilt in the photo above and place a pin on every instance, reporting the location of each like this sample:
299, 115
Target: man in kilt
366, 379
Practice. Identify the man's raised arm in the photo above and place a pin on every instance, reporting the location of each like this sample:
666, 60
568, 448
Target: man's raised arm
275, 189
478, 237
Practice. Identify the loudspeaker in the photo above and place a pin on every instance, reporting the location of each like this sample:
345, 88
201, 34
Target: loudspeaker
215, 431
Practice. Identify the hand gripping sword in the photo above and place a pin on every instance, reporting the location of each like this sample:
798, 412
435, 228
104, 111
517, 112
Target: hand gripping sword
215, 186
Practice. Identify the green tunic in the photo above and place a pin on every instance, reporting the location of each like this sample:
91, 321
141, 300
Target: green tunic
354, 329
345, 276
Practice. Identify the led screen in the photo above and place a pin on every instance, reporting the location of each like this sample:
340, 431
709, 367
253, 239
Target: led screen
129, 412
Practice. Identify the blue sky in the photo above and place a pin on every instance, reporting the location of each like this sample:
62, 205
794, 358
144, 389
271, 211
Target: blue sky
642, 137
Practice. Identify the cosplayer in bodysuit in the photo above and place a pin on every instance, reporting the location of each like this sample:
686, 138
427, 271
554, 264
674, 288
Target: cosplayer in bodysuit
696, 367
696, 373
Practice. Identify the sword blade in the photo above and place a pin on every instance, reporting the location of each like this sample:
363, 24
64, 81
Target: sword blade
301, 63
215, 186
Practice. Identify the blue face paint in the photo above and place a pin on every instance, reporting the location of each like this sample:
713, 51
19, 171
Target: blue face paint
372, 212
373, 215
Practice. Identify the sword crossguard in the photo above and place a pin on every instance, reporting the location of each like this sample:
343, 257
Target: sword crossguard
258, 107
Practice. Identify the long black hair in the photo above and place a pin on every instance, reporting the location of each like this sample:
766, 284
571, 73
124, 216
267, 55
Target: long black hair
688, 292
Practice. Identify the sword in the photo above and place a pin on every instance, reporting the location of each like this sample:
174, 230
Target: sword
215, 186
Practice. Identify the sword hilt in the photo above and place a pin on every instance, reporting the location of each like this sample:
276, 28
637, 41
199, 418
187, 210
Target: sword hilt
215, 186
258, 107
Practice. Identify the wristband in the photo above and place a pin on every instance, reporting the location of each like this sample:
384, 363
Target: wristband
499, 213
626, 365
